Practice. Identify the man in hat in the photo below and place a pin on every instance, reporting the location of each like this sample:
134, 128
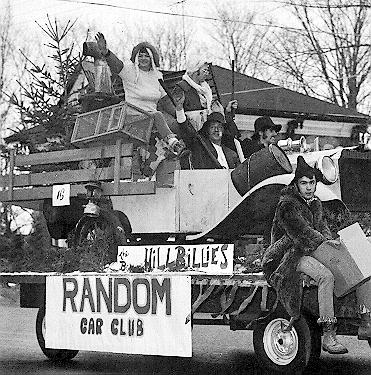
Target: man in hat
265, 133
299, 228
207, 150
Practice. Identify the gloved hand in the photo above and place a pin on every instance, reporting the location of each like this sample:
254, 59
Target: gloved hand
102, 43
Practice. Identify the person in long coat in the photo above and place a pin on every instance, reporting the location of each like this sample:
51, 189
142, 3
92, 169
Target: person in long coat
299, 228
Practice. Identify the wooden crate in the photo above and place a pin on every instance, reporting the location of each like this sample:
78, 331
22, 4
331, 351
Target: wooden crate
107, 124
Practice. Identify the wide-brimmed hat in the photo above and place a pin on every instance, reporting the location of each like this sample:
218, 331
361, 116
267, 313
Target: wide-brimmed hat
264, 123
212, 118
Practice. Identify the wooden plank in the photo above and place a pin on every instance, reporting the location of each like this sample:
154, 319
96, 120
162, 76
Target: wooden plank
11, 174
24, 278
70, 176
247, 280
73, 155
117, 162
125, 188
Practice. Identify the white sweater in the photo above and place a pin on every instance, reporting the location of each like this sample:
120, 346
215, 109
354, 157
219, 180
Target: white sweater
144, 92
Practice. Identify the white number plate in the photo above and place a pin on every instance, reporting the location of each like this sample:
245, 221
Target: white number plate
61, 195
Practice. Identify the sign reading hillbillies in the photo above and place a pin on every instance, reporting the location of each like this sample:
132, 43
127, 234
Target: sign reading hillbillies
143, 313
212, 258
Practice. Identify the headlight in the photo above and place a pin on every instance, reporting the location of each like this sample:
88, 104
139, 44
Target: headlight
328, 168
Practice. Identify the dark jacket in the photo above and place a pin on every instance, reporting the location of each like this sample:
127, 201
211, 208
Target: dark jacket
192, 100
191, 103
297, 230
230, 132
250, 146
200, 151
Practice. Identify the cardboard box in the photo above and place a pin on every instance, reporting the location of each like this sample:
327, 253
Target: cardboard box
349, 259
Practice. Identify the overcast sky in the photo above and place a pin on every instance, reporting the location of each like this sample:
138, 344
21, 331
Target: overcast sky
26, 12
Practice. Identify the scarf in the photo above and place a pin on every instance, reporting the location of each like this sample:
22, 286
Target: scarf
310, 200
152, 63
203, 90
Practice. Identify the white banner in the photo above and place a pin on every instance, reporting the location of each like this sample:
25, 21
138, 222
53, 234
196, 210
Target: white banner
136, 314
212, 258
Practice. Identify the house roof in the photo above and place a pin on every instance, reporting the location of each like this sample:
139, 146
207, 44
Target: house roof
256, 97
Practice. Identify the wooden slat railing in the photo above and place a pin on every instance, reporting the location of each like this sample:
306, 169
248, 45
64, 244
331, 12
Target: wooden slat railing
35, 186
73, 155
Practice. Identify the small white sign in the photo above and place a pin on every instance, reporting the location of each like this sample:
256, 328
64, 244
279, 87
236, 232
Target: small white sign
61, 195
213, 259
134, 314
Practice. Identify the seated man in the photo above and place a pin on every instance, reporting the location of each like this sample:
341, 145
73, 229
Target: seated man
265, 133
298, 228
207, 150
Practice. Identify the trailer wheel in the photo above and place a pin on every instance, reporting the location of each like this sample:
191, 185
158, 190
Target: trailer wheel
53, 354
283, 351
91, 228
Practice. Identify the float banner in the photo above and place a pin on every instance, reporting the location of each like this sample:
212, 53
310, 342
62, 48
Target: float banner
136, 314
213, 259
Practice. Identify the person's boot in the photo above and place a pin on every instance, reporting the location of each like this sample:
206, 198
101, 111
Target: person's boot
330, 343
364, 329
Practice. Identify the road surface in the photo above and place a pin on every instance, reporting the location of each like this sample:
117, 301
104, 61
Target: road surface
216, 350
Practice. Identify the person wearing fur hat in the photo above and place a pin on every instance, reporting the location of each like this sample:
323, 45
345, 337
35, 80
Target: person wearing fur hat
299, 228
198, 94
207, 150
140, 77
199, 102
265, 133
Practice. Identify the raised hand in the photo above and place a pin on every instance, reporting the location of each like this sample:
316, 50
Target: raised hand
233, 104
179, 98
101, 42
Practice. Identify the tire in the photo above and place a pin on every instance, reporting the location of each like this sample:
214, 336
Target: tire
89, 228
283, 352
52, 354
124, 222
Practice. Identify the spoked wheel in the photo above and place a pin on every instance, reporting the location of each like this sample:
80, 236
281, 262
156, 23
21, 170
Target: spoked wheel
91, 229
281, 350
53, 354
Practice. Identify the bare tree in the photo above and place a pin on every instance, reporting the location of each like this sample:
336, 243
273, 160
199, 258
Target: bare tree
334, 58
11, 66
236, 29
172, 44
290, 64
